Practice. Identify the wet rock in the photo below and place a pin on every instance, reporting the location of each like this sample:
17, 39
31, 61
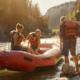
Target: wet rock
68, 71
62, 74
71, 59
65, 68
79, 63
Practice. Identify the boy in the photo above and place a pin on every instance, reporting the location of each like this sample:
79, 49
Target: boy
34, 41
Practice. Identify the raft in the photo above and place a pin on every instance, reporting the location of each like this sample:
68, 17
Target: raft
21, 60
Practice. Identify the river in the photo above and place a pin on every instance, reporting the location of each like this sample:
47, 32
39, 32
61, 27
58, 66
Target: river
44, 73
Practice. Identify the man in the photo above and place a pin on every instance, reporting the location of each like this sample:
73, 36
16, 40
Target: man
17, 38
78, 19
34, 41
68, 34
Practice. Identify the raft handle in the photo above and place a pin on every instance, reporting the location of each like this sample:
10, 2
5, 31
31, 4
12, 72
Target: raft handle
7, 54
27, 58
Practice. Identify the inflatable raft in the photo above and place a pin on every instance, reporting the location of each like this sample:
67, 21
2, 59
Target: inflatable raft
12, 60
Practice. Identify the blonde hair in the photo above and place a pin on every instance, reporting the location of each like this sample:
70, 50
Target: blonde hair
62, 18
18, 25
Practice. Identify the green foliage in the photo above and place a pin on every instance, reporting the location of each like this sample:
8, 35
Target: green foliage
71, 15
55, 30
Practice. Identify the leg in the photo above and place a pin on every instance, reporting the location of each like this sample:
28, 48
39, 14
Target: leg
31, 49
76, 62
73, 49
66, 60
65, 51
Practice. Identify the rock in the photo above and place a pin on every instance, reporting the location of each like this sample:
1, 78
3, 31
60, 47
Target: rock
68, 69
69, 75
65, 68
79, 63
71, 59
62, 75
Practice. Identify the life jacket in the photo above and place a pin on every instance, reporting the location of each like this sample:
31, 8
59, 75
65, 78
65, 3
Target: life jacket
33, 39
20, 37
70, 28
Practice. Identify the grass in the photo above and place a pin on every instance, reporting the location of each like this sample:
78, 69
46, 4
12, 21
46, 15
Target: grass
55, 30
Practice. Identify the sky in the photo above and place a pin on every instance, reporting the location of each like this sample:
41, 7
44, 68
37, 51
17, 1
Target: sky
44, 5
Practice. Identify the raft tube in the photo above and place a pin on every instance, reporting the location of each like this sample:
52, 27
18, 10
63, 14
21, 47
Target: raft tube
12, 59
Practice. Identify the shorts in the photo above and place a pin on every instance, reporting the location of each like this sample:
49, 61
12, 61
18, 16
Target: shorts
35, 47
21, 48
67, 47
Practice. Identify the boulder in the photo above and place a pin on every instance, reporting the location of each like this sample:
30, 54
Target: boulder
68, 69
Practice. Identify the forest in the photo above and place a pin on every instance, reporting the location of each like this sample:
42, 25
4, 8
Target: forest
23, 12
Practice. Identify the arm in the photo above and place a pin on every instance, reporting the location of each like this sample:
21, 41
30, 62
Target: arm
27, 36
38, 41
24, 39
38, 46
77, 31
61, 36
61, 41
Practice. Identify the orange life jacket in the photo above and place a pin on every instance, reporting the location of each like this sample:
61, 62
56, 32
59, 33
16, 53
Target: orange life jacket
33, 39
70, 29
19, 40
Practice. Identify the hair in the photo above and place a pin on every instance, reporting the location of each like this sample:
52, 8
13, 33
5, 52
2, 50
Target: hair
62, 18
19, 26
37, 30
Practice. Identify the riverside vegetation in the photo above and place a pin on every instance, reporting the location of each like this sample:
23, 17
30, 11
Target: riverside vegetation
24, 12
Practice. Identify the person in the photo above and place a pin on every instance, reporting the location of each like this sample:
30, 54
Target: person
78, 19
68, 35
34, 41
17, 37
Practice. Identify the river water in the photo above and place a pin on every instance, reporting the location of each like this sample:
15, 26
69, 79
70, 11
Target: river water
43, 73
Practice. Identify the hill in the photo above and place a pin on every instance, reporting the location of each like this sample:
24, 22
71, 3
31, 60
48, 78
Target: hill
56, 12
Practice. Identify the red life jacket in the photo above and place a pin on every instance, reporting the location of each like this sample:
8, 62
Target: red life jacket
70, 29
19, 40
33, 40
